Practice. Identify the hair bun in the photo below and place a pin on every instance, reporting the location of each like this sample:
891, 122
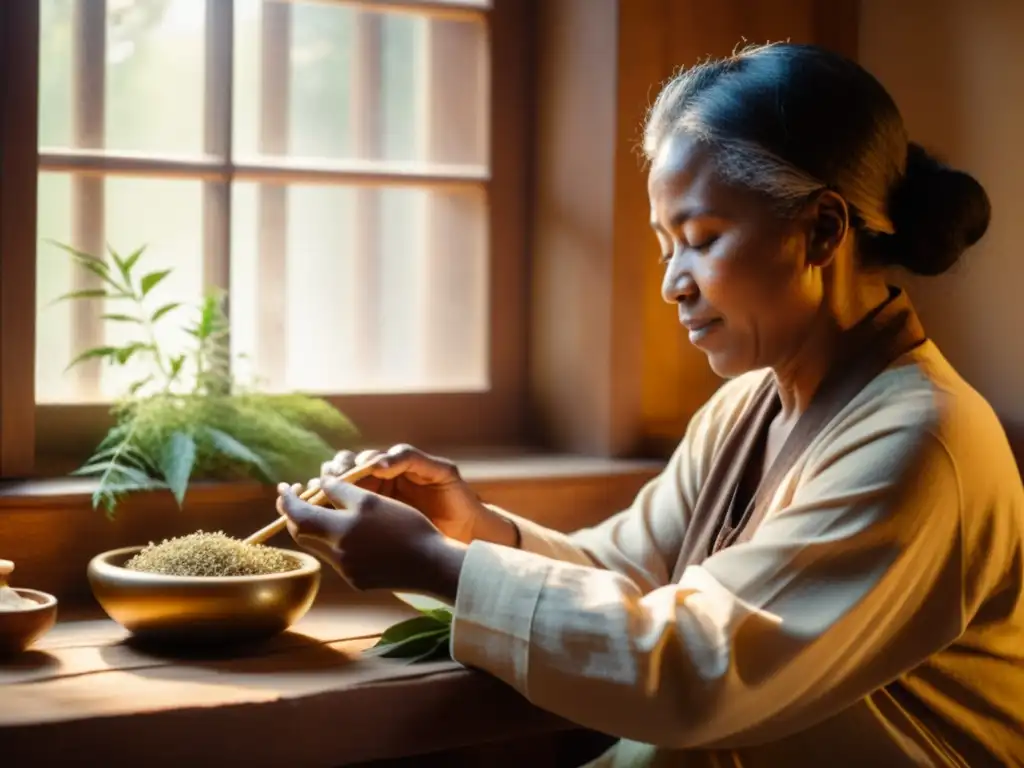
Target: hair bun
938, 212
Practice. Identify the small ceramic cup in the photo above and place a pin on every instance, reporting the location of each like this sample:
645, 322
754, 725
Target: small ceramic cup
21, 627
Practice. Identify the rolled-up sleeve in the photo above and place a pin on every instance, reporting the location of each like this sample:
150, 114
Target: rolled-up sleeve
851, 582
640, 542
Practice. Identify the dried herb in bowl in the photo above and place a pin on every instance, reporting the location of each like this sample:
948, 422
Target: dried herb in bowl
210, 554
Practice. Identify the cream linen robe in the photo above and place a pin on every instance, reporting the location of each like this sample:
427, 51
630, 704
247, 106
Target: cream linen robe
876, 618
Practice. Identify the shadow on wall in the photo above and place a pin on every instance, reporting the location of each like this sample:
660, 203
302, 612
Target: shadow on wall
946, 63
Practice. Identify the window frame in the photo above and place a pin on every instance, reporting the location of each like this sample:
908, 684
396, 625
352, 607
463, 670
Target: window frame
45, 440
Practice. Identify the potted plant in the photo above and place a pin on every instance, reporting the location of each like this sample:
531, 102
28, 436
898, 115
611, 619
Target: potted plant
186, 417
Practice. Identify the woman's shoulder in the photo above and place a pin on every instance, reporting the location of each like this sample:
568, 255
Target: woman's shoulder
924, 387
925, 397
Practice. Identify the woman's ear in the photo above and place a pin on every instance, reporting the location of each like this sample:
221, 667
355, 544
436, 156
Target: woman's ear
829, 223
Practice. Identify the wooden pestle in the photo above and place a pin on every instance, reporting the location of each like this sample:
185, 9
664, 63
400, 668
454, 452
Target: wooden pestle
314, 496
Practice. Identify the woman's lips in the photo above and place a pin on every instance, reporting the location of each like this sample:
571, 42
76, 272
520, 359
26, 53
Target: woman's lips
700, 329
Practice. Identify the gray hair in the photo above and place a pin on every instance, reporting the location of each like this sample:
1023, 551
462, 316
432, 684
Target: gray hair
706, 102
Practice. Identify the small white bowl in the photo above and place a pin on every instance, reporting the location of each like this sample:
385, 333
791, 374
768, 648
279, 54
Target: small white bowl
20, 628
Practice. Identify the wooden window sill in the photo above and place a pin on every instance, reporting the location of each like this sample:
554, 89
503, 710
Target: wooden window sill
306, 698
51, 531
513, 468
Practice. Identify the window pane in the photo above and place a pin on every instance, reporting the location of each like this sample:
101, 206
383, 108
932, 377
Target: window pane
360, 289
151, 53
347, 83
55, 87
166, 216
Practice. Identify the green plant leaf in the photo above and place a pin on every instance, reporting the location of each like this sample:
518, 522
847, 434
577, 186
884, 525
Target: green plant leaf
125, 353
83, 257
121, 318
125, 456
176, 363
125, 265
152, 280
88, 293
163, 311
115, 435
135, 386
97, 266
134, 257
212, 321
413, 647
92, 354
439, 614
176, 463
422, 638
115, 468
231, 447
410, 628
440, 650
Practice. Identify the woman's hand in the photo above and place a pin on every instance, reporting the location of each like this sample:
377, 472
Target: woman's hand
374, 542
430, 485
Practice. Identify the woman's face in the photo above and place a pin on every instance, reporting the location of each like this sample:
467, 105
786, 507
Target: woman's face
739, 273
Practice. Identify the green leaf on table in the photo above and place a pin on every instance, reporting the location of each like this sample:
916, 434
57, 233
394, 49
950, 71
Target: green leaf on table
152, 280
414, 646
421, 638
439, 614
176, 462
413, 627
440, 650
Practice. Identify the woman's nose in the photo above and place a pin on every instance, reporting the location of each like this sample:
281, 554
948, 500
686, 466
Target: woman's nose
678, 285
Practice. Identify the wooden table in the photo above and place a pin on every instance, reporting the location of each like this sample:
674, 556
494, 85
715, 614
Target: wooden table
85, 695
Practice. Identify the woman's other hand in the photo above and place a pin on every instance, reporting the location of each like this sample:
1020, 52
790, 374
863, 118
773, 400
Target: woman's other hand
373, 541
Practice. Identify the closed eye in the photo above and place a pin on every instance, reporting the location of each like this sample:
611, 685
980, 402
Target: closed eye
706, 244
702, 247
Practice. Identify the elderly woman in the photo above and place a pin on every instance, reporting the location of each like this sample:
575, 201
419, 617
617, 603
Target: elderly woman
829, 570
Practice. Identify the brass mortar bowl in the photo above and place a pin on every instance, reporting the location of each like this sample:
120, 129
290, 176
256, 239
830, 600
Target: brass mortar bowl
202, 609
20, 628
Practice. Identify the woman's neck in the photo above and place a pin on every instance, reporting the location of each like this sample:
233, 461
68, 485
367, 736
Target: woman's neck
800, 375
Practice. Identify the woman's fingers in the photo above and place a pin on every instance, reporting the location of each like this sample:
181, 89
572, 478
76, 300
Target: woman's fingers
346, 460
309, 521
342, 462
418, 466
366, 457
399, 460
